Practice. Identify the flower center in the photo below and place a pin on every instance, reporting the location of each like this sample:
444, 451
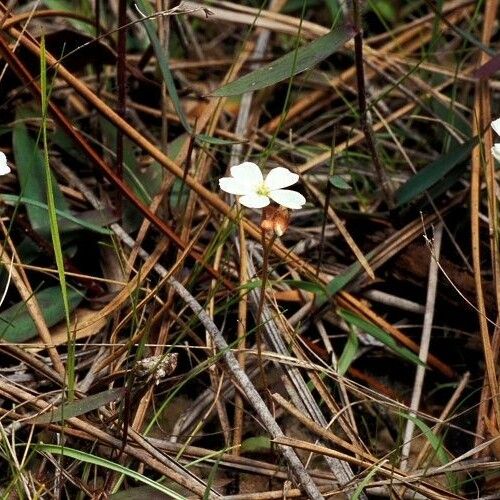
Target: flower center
263, 190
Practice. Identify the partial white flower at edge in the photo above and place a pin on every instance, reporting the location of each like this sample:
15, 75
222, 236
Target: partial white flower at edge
495, 150
4, 168
254, 191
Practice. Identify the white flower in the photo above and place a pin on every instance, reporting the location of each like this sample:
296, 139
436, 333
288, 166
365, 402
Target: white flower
495, 150
496, 125
4, 168
247, 182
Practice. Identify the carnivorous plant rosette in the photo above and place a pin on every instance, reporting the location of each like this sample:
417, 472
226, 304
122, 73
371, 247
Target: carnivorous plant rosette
248, 183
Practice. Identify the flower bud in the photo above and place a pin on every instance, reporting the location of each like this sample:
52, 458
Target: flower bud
275, 220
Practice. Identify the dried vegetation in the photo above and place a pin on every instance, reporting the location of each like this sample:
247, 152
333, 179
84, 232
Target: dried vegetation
156, 343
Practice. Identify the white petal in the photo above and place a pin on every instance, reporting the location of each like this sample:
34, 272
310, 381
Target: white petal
254, 200
287, 198
280, 177
495, 151
234, 186
4, 168
496, 125
248, 173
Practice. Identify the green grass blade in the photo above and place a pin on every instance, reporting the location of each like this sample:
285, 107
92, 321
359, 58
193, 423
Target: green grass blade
380, 335
54, 227
107, 464
289, 65
166, 73
9, 198
437, 445
349, 353
362, 485
433, 173
79, 407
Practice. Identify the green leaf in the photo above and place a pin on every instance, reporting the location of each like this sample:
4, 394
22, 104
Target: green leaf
8, 198
349, 353
32, 176
433, 173
78, 407
16, 324
217, 141
437, 445
362, 485
179, 195
69, 6
308, 286
338, 182
256, 444
386, 9
380, 335
163, 63
107, 464
289, 65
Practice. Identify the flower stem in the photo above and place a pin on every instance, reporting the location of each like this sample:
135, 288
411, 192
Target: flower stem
266, 246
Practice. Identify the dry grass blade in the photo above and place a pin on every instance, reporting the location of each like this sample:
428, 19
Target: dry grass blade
291, 328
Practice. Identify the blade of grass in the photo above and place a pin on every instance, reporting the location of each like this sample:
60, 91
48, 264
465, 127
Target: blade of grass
9, 198
163, 63
108, 464
433, 173
289, 65
54, 227
380, 335
79, 406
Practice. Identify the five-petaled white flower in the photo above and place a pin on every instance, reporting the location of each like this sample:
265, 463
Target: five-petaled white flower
4, 168
495, 150
254, 191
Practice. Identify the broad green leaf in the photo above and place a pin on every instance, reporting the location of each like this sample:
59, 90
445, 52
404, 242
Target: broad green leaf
380, 335
76, 221
107, 464
437, 445
78, 407
433, 173
349, 352
289, 65
32, 177
338, 182
166, 73
16, 324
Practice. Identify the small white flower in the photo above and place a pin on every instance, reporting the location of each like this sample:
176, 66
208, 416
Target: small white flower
248, 183
495, 150
4, 168
496, 125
